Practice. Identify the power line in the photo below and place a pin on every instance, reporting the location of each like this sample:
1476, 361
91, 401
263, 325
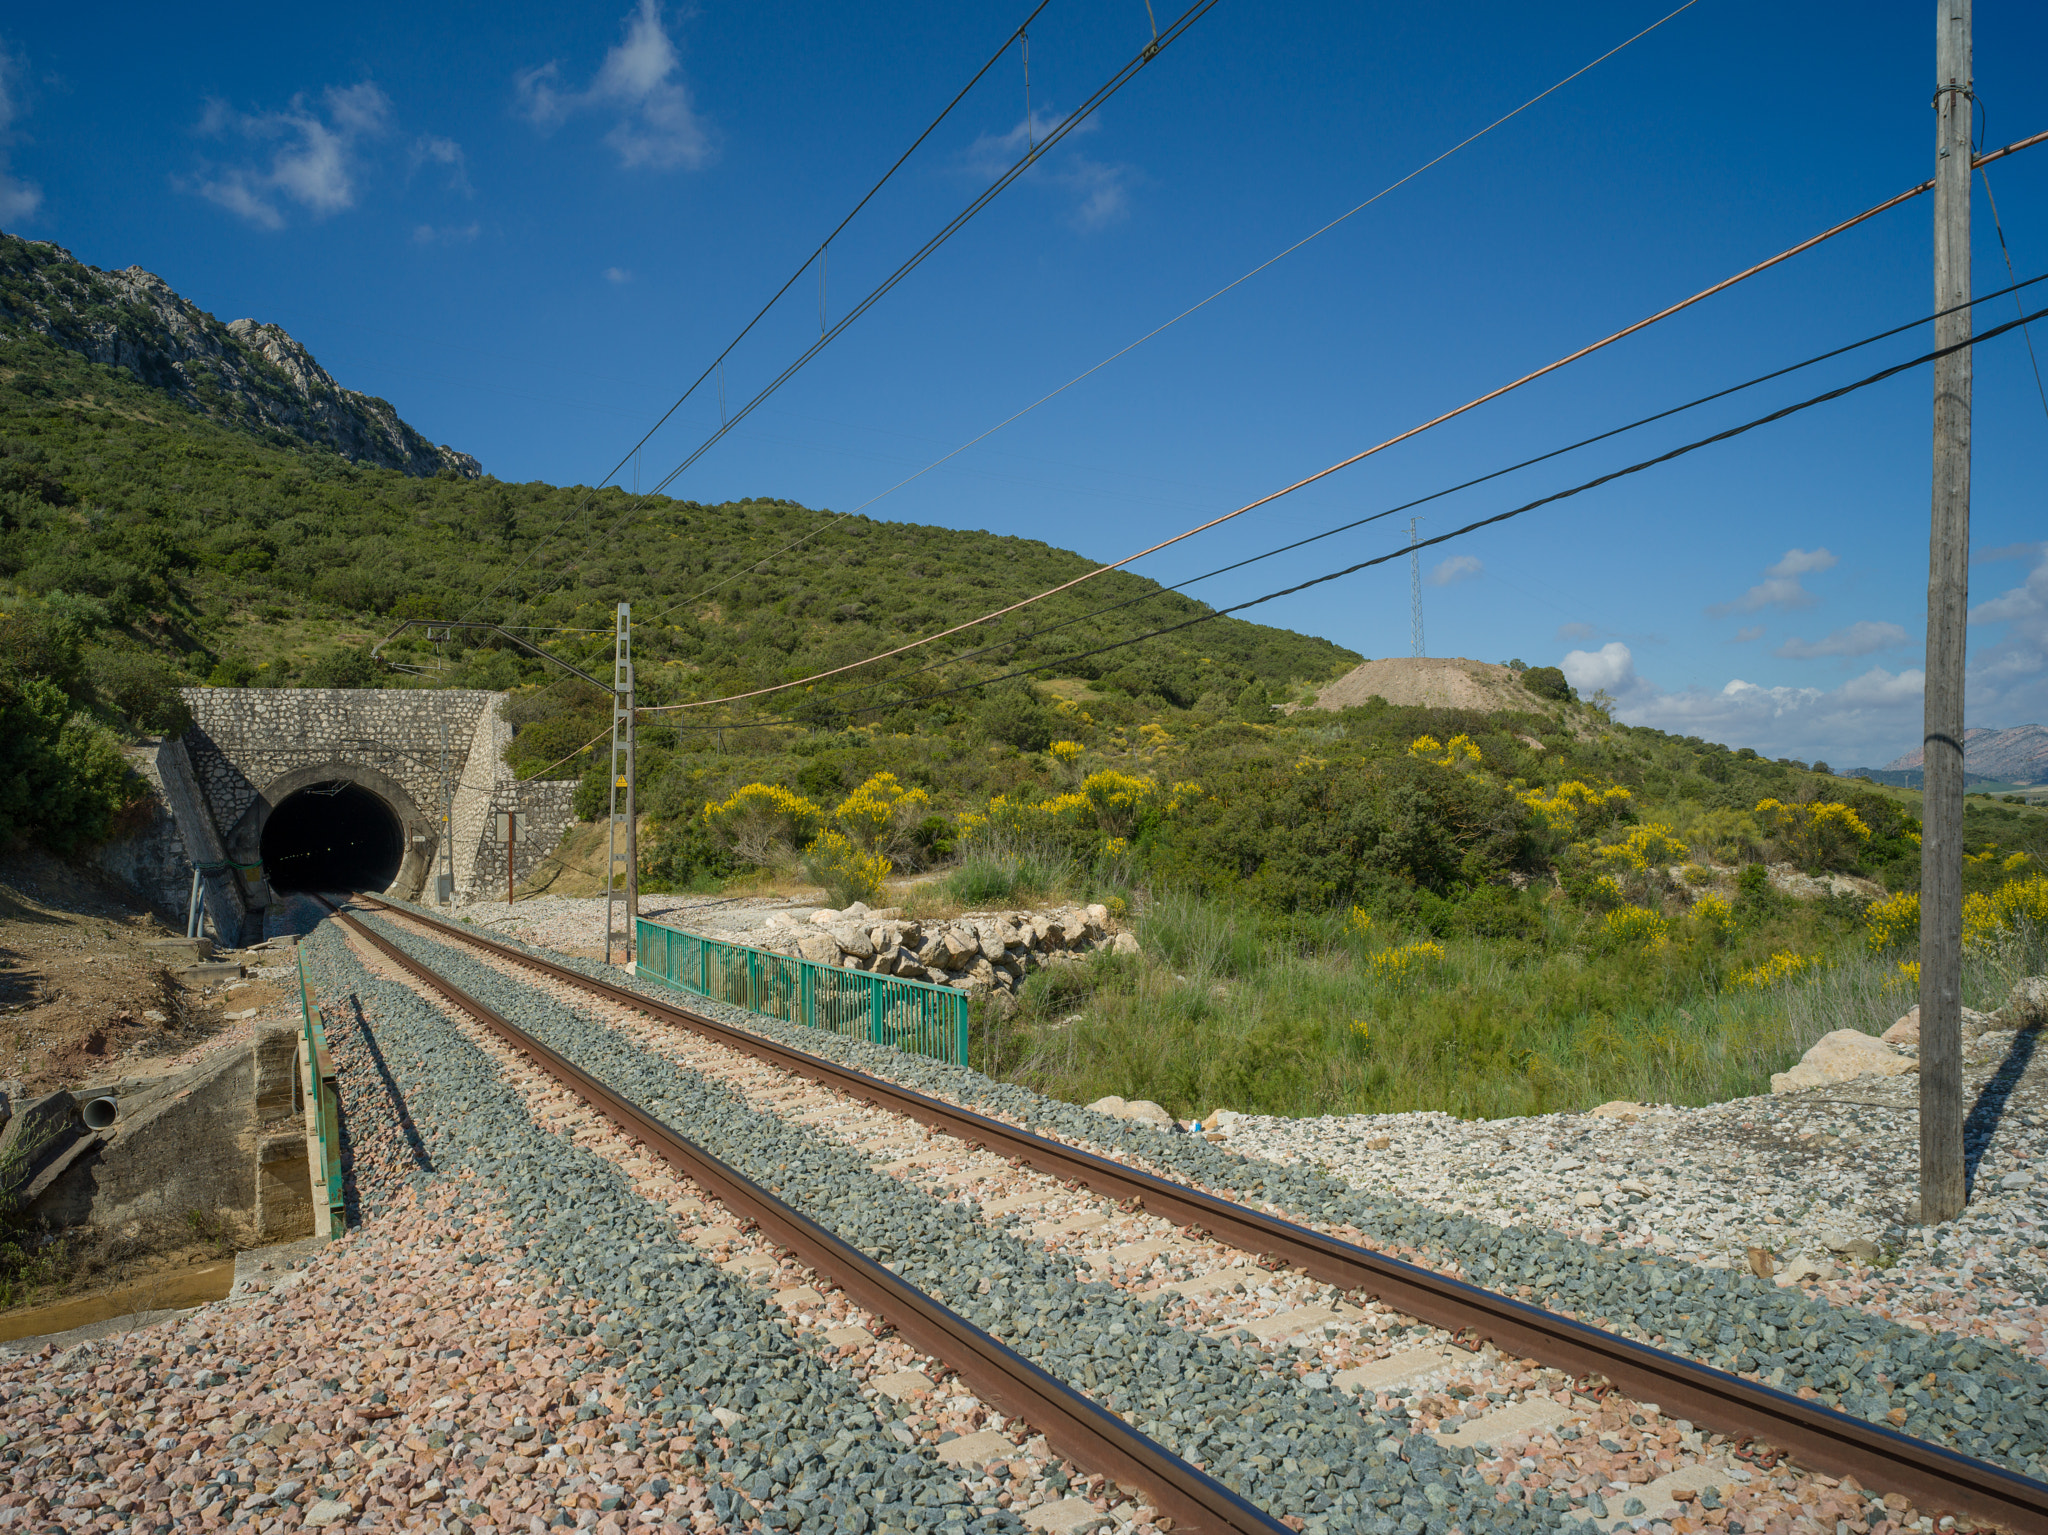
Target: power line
1438, 495
815, 256
1060, 130
1282, 255
2006, 251
1492, 394
1471, 527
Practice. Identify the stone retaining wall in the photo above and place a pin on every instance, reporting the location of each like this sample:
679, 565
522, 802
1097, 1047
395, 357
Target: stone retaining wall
983, 953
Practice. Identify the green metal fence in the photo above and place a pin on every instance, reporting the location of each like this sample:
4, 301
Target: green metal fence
883, 1009
322, 1098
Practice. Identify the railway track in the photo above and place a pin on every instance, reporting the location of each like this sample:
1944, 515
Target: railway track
1827, 1441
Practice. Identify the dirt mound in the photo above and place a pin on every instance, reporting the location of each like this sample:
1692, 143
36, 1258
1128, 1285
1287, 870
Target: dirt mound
1435, 682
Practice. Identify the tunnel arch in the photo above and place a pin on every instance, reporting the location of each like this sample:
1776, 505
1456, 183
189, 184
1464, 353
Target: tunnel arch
337, 825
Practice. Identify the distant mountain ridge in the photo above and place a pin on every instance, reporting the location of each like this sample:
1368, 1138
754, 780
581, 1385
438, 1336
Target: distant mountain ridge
2016, 756
245, 373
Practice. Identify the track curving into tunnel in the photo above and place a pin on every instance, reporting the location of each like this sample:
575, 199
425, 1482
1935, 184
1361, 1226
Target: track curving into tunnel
332, 836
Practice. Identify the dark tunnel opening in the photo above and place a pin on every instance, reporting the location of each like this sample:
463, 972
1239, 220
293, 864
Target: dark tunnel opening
332, 836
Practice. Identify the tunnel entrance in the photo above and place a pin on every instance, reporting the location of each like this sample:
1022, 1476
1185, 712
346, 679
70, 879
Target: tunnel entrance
332, 836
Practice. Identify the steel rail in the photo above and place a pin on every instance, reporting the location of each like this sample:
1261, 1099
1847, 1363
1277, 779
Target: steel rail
1079, 1428
1820, 1437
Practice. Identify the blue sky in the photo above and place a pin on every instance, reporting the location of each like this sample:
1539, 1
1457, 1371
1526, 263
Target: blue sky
528, 227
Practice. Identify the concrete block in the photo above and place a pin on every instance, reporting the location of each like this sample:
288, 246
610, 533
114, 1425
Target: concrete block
188, 950
284, 1187
208, 974
38, 1134
276, 1073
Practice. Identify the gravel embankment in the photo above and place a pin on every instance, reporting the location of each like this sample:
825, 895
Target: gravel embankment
1288, 1442
1537, 1438
1977, 1394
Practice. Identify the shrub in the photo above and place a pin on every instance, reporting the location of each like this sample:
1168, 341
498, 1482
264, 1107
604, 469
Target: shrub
1713, 917
142, 688
1118, 799
847, 873
2018, 908
231, 672
1548, 682
1577, 809
1635, 924
882, 816
346, 669
1014, 716
762, 823
1892, 922
1820, 836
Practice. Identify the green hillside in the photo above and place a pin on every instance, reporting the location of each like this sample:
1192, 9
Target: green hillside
1381, 908
235, 549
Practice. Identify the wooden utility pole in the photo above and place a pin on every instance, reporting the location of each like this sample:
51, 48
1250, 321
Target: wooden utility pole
1948, 599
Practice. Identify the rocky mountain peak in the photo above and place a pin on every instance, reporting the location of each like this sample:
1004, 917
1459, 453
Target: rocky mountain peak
247, 373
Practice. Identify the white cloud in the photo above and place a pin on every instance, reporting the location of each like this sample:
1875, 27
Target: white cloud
1610, 669
19, 199
1576, 631
2008, 679
1858, 639
1780, 587
1459, 567
640, 81
1869, 719
446, 234
432, 149
1101, 190
1749, 632
617, 274
314, 159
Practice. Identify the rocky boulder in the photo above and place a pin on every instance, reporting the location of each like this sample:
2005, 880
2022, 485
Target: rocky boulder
984, 953
1842, 1056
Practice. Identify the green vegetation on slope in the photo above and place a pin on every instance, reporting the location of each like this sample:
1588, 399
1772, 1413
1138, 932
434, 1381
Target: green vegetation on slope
1386, 908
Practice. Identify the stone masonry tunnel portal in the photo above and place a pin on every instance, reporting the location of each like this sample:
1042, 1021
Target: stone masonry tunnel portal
332, 836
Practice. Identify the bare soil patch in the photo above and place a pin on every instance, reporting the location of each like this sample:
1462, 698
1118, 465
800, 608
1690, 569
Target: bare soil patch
1435, 682
78, 980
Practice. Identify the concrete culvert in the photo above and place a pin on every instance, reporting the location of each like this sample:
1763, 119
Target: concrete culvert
100, 1113
332, 836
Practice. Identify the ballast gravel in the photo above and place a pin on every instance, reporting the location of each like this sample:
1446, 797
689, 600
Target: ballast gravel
684, 1338
1290, 1444
1973, 1393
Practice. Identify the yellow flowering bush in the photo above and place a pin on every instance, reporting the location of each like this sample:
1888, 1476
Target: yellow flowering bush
1908, 978
1458, 752
2014, 907
1642, 847
1027, 819
1066, 753
1359, 923
848, 872
2018, 863
1713, 917
1574, 808
762, 823
1118, 799
1781, 966
1823, 835
881, 814
1392, 965
1892, 922
1153, 739
1635, 924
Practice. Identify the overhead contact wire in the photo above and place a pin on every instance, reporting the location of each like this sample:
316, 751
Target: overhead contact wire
1492, 394
815, 256
1156, 330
